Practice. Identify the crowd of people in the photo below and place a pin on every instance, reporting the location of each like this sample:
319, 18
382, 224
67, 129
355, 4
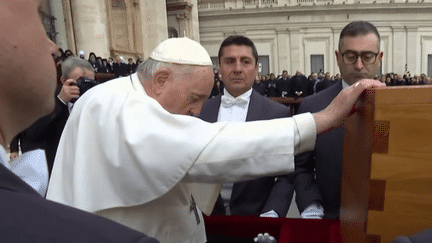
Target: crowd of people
394, 79
283, 85
117, 65
298, 85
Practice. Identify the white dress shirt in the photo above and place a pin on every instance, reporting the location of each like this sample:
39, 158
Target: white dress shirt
235, 112
31, 167
3, 158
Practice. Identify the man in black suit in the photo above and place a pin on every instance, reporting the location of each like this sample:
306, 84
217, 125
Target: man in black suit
358, 57
283, 84
325, 83
120, 68
272, 90
259, 86
26, 94
72, 70
312, 83
268, 196
298, 85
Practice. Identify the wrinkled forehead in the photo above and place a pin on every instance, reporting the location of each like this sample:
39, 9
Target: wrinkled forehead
200, 80
360, 43
193, 73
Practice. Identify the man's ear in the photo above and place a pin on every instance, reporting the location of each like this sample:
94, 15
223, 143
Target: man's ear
338, 57
160, 80
63, 79
380, 55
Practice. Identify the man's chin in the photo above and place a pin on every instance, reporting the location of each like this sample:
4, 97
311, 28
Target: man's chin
359, 77
48, 107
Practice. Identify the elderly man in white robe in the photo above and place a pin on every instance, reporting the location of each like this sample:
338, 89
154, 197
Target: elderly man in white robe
130, 152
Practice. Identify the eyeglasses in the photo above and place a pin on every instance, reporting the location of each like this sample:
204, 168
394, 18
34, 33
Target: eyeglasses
368, 57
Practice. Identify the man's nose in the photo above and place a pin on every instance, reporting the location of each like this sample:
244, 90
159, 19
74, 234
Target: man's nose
53, 48
238, 68
359, 63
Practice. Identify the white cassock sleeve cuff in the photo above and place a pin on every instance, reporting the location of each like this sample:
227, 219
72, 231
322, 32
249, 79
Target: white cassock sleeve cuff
304, 133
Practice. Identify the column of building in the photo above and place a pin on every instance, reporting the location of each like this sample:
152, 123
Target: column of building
296, 49
283, 50
194, 22
154, 24
413, 52
399, 49
90, 26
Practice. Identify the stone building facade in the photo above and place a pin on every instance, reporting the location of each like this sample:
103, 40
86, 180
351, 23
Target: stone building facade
303, 34
131, 28
289, 34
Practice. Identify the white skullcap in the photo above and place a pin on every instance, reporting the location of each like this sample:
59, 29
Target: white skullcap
81, 52
181, 51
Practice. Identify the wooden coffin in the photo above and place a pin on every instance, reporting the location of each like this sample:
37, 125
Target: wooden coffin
386, 186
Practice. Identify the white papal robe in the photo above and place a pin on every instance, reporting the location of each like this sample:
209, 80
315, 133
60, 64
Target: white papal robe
122, 156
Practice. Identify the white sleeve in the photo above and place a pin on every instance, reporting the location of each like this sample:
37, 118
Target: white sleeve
305, 133
244, 151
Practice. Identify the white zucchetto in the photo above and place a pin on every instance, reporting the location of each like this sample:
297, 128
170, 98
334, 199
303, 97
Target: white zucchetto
181, 51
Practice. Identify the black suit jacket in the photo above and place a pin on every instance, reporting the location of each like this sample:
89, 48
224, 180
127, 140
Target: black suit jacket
264, 194
298, 83
260, 88
323, 85
56, 123
121, 69
326, 159
283, 85
27, 217
271, 89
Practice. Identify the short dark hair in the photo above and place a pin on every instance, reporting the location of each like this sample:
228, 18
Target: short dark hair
238, 40
357, 28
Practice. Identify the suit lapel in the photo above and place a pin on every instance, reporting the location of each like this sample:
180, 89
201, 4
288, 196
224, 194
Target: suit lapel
254, 107
211, 111
335, 90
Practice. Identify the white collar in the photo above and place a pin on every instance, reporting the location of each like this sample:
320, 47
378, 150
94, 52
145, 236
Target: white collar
345, 84
3, 158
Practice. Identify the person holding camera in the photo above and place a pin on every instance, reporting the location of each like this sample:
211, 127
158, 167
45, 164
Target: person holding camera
76, 74
77, 77
72, 70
